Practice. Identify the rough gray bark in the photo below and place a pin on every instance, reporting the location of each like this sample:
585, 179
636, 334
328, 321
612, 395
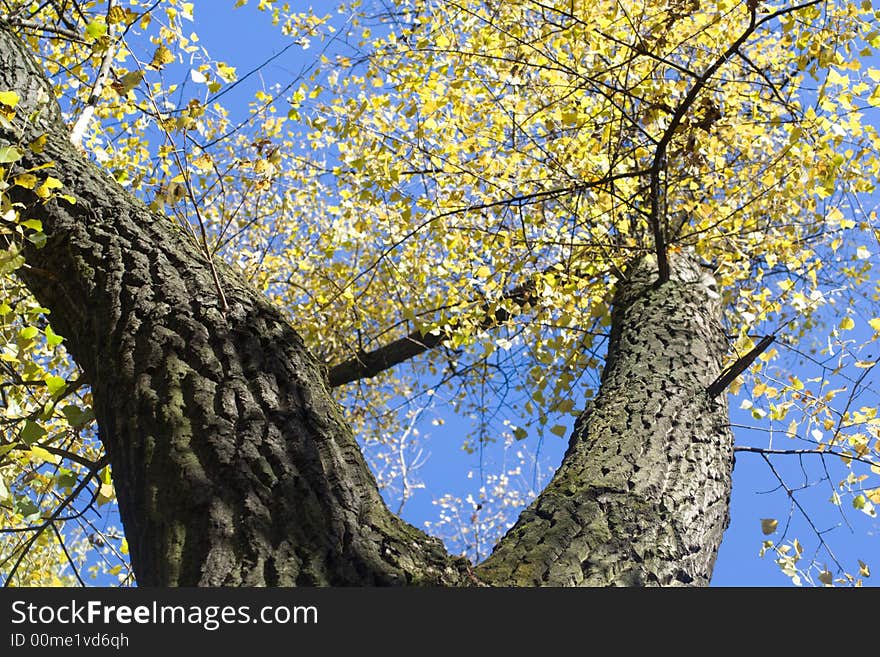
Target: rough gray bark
233, 464
643, 492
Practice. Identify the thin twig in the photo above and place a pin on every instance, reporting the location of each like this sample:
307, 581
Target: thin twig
794, 501
801, 452
67, 554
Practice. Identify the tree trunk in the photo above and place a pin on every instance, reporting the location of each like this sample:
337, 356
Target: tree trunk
231, 461
643, 492
233, 464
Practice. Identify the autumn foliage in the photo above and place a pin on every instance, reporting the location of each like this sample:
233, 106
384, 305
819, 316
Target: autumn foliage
472, 178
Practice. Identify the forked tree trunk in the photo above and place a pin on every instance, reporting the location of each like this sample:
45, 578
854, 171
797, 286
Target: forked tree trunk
234, 466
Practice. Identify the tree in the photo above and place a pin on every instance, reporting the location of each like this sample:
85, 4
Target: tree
521, 173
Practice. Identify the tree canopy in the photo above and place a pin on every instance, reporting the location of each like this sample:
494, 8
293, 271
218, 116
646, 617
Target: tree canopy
441, 203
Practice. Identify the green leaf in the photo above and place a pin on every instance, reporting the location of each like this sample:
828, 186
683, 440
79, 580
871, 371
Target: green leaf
78, 417
37, 239
31, 432
96, 29
864, 505
45, 455
26, 507
52, 339
55, 384
66, 479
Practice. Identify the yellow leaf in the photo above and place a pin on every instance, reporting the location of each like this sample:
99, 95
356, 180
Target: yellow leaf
836, 78
128, 82
105, 494
161, 57
9, 98
44, 455
483, 272
847, 323
115, 14
226, 72
38, 144
44, 191
203, 162
875, 324
26, 180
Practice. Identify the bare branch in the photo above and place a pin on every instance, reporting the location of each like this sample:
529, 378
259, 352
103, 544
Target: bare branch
738, 367
49, 29
659, 163
82, 123
366, 365
801, 452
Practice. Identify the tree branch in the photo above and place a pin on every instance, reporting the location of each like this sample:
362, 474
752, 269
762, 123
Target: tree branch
800, 452
366, 365
82, 122
738, 367
659, 162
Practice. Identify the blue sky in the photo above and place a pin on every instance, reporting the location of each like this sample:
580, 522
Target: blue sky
244, 38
